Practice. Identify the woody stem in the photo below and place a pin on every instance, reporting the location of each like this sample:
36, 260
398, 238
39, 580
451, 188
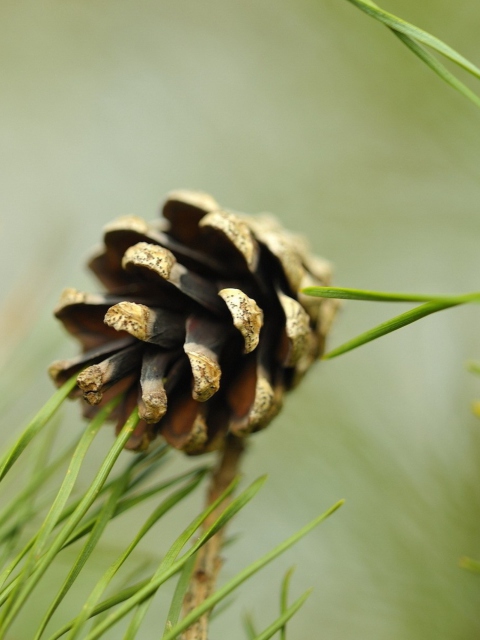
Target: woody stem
209, 561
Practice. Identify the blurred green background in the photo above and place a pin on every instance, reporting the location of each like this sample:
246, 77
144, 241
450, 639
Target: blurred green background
314, 112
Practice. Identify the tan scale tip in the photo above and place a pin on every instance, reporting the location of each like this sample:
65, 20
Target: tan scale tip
237, 231
263, 407
206, 374
150, 256
153, 406
288, 256
130, 317
70, 296
198, 199
198, 436
127, 223
246, 314
320, 268
56, 368
287, 247
90, 382
297, 327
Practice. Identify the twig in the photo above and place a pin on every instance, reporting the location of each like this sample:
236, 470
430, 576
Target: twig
209, 561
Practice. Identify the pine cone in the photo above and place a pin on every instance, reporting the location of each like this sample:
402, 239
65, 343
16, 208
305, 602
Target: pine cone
203, 325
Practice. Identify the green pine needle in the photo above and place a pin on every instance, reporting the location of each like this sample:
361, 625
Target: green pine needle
344, 293
470, 564
101, 522
433, 303
178, 597
34, 571
87, 516
391, 325
284, 601
474, 367
240, 578
282, 620
103, 583
126, 503
19, 593
140, 469
106, 605
414, 38
38, 423
437, 67
169, 568
36, 483
249, 628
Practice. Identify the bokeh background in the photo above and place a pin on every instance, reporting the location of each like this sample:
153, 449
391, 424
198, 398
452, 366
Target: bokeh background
314, 112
